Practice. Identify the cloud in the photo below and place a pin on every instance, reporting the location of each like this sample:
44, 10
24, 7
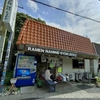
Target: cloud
45, 12
54, 24
78, 25
32, 5
57, 3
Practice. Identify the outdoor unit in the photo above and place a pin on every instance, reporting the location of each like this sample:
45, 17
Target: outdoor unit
80, 76
76, 76
71, 76
87, 75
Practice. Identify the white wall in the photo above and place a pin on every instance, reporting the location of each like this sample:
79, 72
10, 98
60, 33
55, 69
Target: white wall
67, 66
87, 65
95, 65
91, 66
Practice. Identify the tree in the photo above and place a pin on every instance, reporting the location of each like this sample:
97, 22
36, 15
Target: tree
20, 19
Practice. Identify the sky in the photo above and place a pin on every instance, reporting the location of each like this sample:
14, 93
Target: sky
64, 20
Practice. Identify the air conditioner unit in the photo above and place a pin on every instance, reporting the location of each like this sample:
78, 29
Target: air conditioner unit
87, 75
80, 76
71, 76
76, 76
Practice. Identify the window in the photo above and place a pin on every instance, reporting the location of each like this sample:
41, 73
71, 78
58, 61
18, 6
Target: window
78, 63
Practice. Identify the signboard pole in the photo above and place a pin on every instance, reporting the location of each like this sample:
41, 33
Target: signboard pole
14, 7
3, 32
6, 59
2, 42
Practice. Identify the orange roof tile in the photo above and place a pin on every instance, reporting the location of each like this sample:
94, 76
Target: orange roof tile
40, 34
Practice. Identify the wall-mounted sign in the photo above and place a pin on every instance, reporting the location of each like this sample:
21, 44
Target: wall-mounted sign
10, 14
35, 49
51, 51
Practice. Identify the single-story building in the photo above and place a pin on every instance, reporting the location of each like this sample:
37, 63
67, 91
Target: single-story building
65, 52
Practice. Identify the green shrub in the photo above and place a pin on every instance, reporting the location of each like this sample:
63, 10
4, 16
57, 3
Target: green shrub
9, 75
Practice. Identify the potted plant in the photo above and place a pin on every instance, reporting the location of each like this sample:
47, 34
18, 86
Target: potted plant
40, 82
97, 81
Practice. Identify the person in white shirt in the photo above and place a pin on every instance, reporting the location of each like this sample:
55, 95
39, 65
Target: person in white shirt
48, 75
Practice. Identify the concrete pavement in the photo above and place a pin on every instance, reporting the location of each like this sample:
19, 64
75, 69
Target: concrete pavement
65, 91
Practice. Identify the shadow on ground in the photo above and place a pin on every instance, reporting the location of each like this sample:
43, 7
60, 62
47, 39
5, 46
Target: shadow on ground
62, 88
62, 99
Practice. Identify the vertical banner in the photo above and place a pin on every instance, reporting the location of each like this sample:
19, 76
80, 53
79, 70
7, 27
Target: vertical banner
9, 19
10, 14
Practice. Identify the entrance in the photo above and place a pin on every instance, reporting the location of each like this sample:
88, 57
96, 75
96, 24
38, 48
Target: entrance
43, 64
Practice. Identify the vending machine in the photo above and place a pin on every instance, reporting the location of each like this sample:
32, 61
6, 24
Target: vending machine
25, 70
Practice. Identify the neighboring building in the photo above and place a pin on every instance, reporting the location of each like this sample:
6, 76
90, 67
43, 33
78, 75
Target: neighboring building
64, 51
97, 50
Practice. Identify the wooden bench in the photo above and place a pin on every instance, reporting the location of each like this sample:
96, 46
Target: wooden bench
51, 85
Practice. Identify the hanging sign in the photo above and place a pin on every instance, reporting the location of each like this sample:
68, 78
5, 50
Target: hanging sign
59, 69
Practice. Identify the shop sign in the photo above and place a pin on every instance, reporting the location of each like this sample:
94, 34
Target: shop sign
51, 51
10, 14
35, 49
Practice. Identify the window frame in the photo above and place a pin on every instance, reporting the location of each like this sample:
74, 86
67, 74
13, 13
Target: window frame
77, 64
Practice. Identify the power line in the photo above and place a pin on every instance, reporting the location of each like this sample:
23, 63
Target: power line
66, 11
21, 5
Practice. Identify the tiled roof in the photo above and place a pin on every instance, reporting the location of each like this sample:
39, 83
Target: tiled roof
39, 34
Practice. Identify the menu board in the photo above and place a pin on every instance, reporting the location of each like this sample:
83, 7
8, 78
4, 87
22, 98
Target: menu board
26, 61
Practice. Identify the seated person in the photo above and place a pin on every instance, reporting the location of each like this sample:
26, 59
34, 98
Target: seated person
48, 75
